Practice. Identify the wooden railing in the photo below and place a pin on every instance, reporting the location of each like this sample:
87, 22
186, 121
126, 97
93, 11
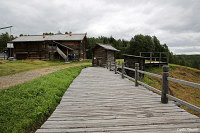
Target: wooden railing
116, 66
150, 57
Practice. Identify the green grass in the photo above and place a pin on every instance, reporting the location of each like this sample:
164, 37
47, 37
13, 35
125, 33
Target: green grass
13, 67
120, 61
186, 93
23, 108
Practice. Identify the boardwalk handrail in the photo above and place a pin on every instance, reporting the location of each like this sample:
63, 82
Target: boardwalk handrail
151, 74
165, 85
184, 82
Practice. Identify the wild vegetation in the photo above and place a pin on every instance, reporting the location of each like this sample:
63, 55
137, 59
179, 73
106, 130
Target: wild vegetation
186, 93
12, 67
23, 108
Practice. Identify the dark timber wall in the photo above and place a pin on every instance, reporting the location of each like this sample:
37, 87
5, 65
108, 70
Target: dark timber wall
46, 50
101, 56
30, 50
130, 61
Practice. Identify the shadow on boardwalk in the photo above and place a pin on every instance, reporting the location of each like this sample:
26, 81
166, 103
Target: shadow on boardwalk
100, 101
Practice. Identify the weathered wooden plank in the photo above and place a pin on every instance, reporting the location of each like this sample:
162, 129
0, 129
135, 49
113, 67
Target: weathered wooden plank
144, 128
100, 101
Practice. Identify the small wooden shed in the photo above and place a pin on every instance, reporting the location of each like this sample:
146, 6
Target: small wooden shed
103, 53
130, 61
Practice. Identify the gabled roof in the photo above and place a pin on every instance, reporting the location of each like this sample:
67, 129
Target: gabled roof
60, 37
107, 46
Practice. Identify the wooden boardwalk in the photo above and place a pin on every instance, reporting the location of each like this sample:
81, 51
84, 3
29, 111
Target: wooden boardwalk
100, 101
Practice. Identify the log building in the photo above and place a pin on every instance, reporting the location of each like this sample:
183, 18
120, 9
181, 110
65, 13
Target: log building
130, 61
103, 53
50, 47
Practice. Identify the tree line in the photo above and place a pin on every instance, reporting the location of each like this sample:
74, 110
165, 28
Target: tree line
187, 60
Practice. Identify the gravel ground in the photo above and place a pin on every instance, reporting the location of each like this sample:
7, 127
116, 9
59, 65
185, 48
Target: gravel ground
19, 78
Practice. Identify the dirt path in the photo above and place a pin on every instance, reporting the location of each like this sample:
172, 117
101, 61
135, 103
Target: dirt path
11, 80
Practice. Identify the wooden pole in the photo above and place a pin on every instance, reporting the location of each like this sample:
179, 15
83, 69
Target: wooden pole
160, 57
115, 67
165, 85
122, 69
167, 58
136, 73
150, 57
67, 55
107, 64
110, 66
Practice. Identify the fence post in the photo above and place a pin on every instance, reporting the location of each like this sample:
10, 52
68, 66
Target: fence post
115, 67
110, 66
136, 73
122, 69
107, 64
165, 85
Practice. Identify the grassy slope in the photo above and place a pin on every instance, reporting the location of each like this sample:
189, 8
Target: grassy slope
25, 107
9, 67
186, 93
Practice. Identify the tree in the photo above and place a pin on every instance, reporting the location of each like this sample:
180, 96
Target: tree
4, 39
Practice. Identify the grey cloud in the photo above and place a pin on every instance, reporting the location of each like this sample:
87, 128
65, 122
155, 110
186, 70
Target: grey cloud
174, 22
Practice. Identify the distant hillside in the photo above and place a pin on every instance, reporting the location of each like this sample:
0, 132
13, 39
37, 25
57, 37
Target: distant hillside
187, 60
186, 93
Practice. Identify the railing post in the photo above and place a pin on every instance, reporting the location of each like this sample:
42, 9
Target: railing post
107, 64
136, 73
110, 65
165, 85
115, 67
122, 69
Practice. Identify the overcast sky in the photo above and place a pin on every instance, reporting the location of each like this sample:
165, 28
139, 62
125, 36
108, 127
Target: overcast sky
174, 22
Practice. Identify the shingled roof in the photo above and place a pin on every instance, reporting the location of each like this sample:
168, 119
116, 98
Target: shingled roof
59, 37
107, 46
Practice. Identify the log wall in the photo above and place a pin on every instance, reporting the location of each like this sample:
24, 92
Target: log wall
99, 56
47, 50
102, 55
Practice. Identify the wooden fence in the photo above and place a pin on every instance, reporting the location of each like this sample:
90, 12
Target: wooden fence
119, 68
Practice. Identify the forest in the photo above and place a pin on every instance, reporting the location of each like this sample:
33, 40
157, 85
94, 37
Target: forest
138, 43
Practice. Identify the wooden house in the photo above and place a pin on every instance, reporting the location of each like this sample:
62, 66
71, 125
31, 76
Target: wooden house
103, 53
50, 47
